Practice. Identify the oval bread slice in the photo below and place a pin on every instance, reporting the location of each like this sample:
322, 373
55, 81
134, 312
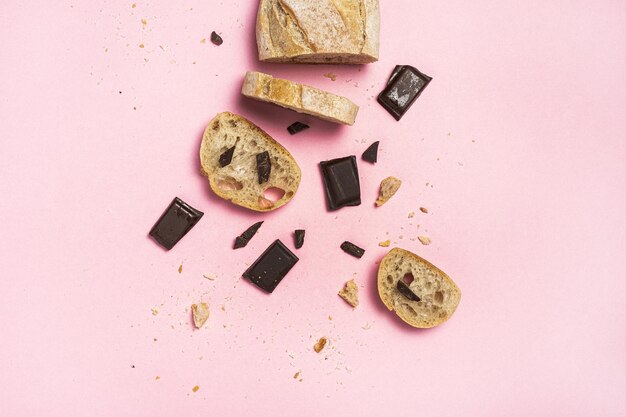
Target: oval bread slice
238, 181
299, 97
439, 295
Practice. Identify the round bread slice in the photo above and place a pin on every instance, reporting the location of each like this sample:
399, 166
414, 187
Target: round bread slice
238, 181
438, 294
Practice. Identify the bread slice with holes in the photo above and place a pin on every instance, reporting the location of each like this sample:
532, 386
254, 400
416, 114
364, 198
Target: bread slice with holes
438, 295
299, 97
238, 181
319, 31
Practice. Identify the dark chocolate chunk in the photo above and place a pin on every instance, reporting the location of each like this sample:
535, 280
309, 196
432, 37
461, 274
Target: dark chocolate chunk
216, 39
404, 86
341, 182
263, 166
227, 156
299, 236
178, 219
243, 239
271, 267
371, 153
297, 127
406, 291
352, 249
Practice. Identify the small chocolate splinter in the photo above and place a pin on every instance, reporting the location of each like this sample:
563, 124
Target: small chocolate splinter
263, 166
216, 39
352, 249
299, 237
243, 239
227, 156
371, 153
297, 127
406, 291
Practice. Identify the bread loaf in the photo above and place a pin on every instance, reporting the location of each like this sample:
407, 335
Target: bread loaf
318, 31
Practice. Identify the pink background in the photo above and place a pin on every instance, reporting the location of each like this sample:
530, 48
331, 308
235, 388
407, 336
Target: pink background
517, 148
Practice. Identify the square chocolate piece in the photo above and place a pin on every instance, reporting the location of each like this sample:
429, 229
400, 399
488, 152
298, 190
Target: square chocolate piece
404, 86
271, 267
178, 219
341, 182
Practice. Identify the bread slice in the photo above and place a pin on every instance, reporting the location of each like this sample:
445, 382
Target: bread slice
238, 181
299, 97
318, 31
438, 293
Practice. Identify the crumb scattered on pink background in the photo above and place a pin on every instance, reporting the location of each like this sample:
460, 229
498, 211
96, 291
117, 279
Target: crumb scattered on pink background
516, 148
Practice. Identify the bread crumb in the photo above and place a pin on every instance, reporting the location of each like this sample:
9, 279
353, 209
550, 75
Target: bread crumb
155, 311
157, 378
195, 389
350, 293
133, 5
296, 375
203, 40
141, 45
320, 345
384, 243
411, 214
388, 187
209, 277
200, 314
180, 269
330, 318
367, 326
330, 75
424, 239
423, 209
144, 22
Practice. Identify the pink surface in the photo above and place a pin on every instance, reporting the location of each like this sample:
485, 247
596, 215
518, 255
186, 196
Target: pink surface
517, 149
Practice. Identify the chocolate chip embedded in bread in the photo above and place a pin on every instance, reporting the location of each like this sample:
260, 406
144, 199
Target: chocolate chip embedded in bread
263, 166
227, 156
406, 291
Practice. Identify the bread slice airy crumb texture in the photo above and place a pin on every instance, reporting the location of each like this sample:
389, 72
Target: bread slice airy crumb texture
439, 295
238, 181
299, 97
318, 31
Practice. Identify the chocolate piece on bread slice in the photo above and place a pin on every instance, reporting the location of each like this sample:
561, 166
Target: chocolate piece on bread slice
299, 97
318, 31
238, 181
438, 295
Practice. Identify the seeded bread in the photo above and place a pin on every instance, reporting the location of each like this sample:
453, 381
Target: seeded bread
438, 293
299, 97
238, 181
318, 31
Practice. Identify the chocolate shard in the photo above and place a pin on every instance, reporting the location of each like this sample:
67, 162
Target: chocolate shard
405, 84
341, 182
263, 166
407, 291
227, 156
216, 39
299, 238
178, 219
371, 153
352, 249
243, 239
297, 127
271, 267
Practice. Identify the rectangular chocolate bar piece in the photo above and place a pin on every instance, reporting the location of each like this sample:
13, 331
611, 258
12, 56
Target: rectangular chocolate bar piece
404, 86
352, 249
271, 267
341, 182
178, 219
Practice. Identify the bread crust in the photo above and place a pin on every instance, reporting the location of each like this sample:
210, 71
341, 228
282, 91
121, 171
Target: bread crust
320, 31
238, 181
440, 296
299, 97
